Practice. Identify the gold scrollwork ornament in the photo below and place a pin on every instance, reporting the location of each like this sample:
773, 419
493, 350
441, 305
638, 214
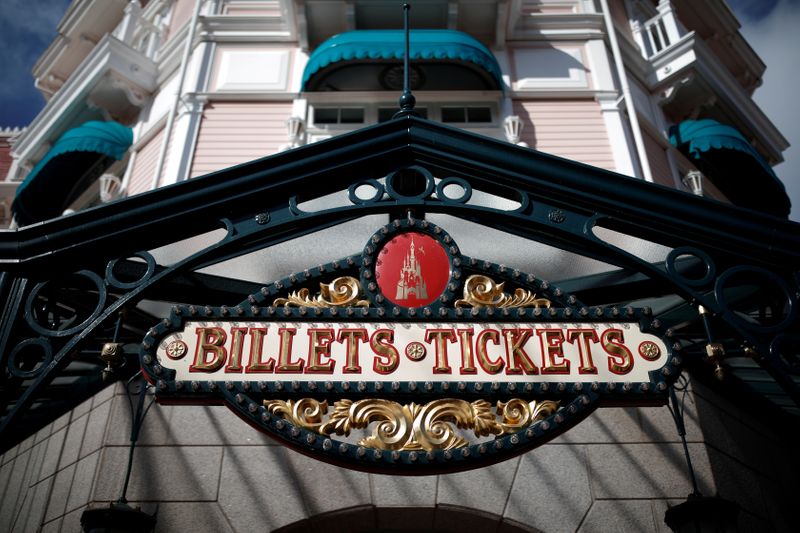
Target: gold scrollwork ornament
432, 426
483, 291
341, 292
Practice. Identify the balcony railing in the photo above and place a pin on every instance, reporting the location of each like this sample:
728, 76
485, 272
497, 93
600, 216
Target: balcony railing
658, 33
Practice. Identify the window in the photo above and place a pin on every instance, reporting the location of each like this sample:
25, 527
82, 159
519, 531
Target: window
467, 115
338, 115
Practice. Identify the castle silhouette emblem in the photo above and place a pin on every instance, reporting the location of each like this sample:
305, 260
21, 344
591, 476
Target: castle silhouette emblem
411, 280
412, 269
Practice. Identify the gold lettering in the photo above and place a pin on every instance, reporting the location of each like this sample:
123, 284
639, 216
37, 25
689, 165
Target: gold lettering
553, 361
516, 356
441, 336
351, 337
285, 364
584, 337
621, 360
388, 356
235, 359
256, 352
491, 367
467, 356
319, 346
210, 341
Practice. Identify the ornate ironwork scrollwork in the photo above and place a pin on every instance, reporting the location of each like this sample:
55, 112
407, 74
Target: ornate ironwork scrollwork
431, 426
341, 292
482, 291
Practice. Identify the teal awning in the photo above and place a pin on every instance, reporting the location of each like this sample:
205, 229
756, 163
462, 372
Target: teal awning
76, 158
730, 161
427, 46
108, 138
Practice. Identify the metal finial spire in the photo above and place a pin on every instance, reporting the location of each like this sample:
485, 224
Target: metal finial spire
407, 99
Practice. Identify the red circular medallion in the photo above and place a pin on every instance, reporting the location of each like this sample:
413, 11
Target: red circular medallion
412, 269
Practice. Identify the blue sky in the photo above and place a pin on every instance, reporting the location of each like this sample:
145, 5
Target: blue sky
771, 26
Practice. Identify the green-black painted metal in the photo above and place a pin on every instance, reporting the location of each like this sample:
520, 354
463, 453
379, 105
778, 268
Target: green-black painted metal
256, 203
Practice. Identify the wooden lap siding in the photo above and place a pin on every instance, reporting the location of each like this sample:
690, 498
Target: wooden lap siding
144, 166
659, 164
573, 129
236, 132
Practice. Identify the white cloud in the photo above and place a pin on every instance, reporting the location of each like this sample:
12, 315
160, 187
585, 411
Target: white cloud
777, 40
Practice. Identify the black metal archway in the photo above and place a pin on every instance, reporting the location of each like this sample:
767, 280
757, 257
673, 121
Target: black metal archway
71, 286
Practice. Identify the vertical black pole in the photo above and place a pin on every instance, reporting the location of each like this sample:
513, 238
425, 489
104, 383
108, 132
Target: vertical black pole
407, 99
677, 415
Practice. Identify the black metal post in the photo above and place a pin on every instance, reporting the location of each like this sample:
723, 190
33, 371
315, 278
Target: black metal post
407, 100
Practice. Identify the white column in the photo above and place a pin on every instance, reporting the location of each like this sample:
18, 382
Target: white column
124, 31
622, 149
184, 135
671, 24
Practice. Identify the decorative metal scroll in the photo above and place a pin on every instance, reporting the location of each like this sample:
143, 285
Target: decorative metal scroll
413, 427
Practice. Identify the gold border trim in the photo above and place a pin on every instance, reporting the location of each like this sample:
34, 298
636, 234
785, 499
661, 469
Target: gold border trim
430, 426
341, 292
483, 291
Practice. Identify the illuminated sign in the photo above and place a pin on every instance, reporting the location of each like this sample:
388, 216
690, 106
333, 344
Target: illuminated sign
410, 357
